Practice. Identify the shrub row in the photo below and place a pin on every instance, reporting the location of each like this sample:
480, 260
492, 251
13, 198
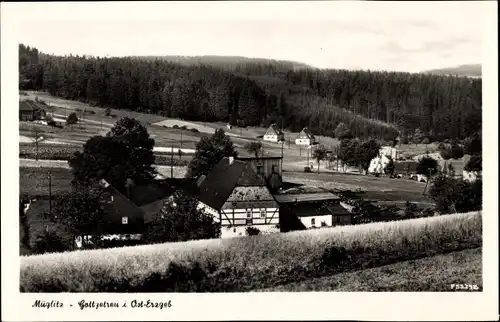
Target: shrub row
65, 153
47, 152
248, 263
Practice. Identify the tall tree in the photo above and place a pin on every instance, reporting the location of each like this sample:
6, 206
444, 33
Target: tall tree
209, 152
320, 154
254, 148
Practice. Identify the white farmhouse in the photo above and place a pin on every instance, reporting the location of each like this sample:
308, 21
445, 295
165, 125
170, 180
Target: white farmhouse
274, 134
305, 138
378, 164
470, 176
237, 197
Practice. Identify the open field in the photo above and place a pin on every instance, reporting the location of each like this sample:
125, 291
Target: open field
431, 274
35, 181
250, 263
95, 122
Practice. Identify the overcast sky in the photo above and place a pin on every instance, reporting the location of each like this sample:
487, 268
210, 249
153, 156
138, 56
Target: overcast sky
401, 36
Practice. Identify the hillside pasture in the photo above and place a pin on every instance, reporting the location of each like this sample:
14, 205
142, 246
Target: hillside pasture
431, 274
249, 263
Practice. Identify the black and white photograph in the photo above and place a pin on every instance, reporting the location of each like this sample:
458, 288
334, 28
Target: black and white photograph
238, 147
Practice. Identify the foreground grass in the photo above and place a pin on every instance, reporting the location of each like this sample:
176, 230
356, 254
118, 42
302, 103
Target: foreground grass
249, 263
432, 274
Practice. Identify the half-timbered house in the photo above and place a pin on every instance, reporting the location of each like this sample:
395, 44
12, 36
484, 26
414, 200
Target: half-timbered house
238, 197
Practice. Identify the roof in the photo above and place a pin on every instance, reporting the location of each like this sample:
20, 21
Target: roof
305, 133
273, 129
221, 181
258, 158
318, 209
306, 197
27, 106
120, 207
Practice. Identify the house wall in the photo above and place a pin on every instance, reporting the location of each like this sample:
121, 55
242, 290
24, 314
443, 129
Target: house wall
300, 141
378, 164
267, 166
307, 221
270, 137
250, 216
389, 151
240, 231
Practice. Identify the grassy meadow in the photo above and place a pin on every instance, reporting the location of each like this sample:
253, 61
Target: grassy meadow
250, 263
430, 274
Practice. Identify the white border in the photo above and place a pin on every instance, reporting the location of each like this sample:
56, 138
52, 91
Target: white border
294, 306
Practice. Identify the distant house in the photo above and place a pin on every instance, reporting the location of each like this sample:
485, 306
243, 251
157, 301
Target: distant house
389, 151
312, 209
30, 111
238, 197
274, 134
470, 176
378, 164
305, 137
122, 218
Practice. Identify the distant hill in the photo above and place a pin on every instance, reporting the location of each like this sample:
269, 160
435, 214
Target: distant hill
473, 70
229, 62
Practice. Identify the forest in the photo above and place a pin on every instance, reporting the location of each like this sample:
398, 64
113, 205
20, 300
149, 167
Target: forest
373, 104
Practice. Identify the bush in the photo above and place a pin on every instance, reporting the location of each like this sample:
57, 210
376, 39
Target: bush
249, 263
194, 130
175, 126
50, 242
183, 127
307, 169
252, 231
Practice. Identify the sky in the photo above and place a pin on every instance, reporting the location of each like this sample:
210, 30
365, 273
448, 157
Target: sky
405, 36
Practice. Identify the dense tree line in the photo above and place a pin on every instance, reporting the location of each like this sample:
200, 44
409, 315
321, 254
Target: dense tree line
261, 93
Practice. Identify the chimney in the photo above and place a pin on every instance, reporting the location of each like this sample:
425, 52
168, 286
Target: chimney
231, 160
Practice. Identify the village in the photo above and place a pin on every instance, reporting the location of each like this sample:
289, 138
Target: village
246, 195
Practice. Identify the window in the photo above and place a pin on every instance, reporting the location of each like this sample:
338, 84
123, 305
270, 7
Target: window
234, 230
274, 168
124, 220
313, 221
260, 169
249, 213
262, 212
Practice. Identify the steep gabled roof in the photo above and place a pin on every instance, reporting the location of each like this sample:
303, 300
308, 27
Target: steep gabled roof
26, 106
119, 207
221, 181
305, 133
273, 130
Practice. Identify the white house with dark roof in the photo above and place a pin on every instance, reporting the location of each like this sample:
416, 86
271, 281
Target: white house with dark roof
305, 137
274, 134
238, 197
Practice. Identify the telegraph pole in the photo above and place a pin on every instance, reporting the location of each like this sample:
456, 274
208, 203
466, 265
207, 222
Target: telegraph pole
172, 162
50, 193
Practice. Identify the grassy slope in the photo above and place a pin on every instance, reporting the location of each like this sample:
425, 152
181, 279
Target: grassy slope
432, 274
249, 263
